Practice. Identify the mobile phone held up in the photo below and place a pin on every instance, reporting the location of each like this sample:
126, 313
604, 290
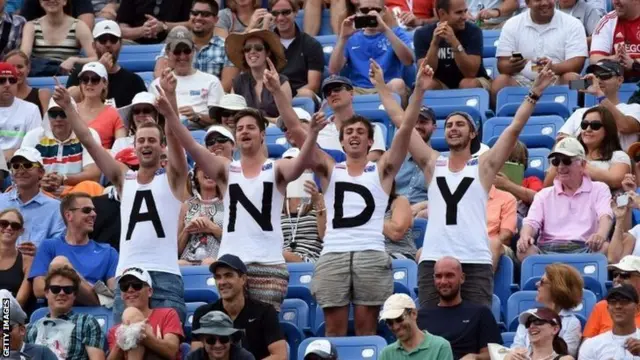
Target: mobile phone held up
581, 84
517, 56
622, 200
365, 21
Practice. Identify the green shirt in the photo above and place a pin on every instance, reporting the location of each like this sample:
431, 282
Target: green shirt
432, 348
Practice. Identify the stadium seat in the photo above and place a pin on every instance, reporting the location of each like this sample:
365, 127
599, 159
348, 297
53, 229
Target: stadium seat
328, 42
46, 82
503, 281
103, 315
147, 77
184, 350
305, 103
357, 347
295, 311
625, 92
538, 163
199, 284
496, 307
475, 98
273, 135
137, 58
300, 275
405, 276
294, 336
188, 324
555, 100
382, 118
419, 229
490, 43
197, 135
491, 66
275, 151
370, 102
438, 141
507, 338
524, 300
539, 131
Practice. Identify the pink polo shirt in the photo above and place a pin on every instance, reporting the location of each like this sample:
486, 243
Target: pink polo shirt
562, 217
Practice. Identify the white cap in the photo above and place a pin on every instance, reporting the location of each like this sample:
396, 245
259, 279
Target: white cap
139, 273
220, 130
629, 263
95, 67
291, 153
106, 27
233, 102
396, 305
16, 314
144, 97
568, 146
322, 348
28, 153
302, 114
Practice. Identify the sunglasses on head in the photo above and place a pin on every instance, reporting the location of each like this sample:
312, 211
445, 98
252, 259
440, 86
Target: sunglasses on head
55, 114
397, 320
285, 12
328, 92
202, 13
15, 226
108, 38
605, 75
23, 165
212, 339
143, 110
94, 80
12, 80
182, 50
85, 209
595, 125
366, 10
136, 285
622, 274
212, 140
55, 289
537, 322
257, 47
565, 160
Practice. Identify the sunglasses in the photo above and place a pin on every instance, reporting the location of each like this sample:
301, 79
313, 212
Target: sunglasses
180, 51
595, 125
136, 285
108, 38
94, 80
143, 110
366, 10
622, 274
23, 166
202, 13
226, 113
328, 92
85, 209
286, 12
211, 340
256, 47
12, 80
55, 114
605, 76
69, 289
537, 322
565, 160
217, 140
397, 320
15, 226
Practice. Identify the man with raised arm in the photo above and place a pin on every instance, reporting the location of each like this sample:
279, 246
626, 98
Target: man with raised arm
150, 199
353, 266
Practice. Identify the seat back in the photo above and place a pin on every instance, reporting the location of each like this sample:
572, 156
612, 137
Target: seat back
103, 315
502, 280
540, 131
405, 275
475, 98
328, 43
495, 307
490, 43
592, 265
188, 323
524, 300
147, 77
355, 347
47, 82
419, 229
273, 135
139, 57
538, 162
382, 118
295, 311
304, 102
512, 96
491, 67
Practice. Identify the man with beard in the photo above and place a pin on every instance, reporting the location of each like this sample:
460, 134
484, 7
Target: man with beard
123, 84
467, 326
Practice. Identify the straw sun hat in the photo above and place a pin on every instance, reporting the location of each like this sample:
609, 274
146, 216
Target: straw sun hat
234, 45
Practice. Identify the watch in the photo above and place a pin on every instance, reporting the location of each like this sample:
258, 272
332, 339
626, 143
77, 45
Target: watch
458, 49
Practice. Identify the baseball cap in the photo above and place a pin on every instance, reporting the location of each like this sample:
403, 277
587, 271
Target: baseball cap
220, 130
231, 261
625, 291
106, 27
427, 113
291, 153
322, 348
94, 67
7, 69
568, 146
138, 273
541, 313
302, 114
606, 65
128, 157
16, 315
144, 97
179, 35
396, 305
629, 263
29, 153
216, 323
336, 79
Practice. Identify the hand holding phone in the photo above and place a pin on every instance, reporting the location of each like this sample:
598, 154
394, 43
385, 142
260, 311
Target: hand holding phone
581, 84
517, 56
365, 21
622, 200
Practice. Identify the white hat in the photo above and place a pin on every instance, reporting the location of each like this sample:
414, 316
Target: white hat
568, 146
629, 263
220, 130
106, 27
322, 348
302, 114
16, 315
95, 67
396, 305
233, 102
144, 97
28, 153
291, 153
138, 273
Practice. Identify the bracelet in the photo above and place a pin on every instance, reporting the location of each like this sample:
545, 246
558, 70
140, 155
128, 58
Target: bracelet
321, 210
498, 10
533, 96
600, 99
530, 100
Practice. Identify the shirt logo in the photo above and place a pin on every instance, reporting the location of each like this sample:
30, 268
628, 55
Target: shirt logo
194, 92
619, 35
370, 168
267, 166
252, 320
235, 169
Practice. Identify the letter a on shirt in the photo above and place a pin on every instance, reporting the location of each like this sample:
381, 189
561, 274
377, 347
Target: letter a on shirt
151, 214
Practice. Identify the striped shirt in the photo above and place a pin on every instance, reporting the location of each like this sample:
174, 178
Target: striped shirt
67, 48
15, 33
301, 235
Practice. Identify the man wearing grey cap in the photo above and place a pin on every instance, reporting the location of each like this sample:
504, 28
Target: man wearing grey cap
220, 339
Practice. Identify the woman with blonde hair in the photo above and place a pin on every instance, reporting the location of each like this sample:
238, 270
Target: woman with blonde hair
14, 267
38, 97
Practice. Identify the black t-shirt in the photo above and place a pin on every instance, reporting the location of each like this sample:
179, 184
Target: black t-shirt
123, 85
31, 9
132, 13
258, 320
106, 229
303, 54
448, 72
468, 327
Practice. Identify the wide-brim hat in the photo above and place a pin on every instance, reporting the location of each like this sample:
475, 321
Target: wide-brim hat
234, 46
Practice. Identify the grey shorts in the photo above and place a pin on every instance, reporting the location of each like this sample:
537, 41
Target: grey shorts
361, 278
477, 287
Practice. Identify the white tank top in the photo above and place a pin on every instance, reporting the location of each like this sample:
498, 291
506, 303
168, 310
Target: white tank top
355, 211
457, 215
252, 230
149, 224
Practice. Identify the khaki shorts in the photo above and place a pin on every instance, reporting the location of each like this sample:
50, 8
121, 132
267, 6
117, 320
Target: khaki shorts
359, 277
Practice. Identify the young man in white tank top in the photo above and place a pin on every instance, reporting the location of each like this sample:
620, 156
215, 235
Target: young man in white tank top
150, 199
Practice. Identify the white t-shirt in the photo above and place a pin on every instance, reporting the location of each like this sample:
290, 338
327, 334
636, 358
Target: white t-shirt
607, 346
199, 90
572, 125
635, 232
15, 121
617, 157
329, 138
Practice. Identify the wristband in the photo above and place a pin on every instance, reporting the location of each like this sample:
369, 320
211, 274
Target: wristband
600, 99
533, 96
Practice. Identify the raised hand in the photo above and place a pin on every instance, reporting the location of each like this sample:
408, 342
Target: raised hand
61, 95
545, 78
257, 16
619, 211
593, 89
163, 105
271, 78
424, 77
318, 122
376, 75
629, 182
107, 60
347, 29
168, 81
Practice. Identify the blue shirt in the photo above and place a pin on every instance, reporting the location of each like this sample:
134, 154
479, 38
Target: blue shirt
41, 215
93, 261
360, 48
635, 214
410, 181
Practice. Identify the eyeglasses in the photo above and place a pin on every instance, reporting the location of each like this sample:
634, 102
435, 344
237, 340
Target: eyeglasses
11, 80
143, 110
54, 114
622, 274
366, 10
227, 113
94, 80
136, 285
397, 320
336, 89
536, 322
85, 209
565, 160
202, 13
55, 289
217, 140
256, 47
15, 226
211, 340
183, 50
286, 12
107, 38
605, 76
23, 166
595, 125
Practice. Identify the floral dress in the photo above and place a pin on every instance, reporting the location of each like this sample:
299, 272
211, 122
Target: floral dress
200, 246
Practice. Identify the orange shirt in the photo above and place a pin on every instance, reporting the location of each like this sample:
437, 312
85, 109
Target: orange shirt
599, 321
106, 124
501, 212
422, 9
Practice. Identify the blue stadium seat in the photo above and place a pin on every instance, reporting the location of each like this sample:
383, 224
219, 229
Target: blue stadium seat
625, 92
199, 284
46, 82
490, 43
370, 102
438, 141
538, 163
328, 42
300, 275
555, 100
419, 229
295, 311
275, 151
382, 118
475, 98
405, 276
357, 347
540, 131
197, 135
325, 24
273, 135
507, 338
147, 77
442, 111
294, 336
184, 350
188, 324
503, 281
103, 315
139, 58
305, 103
525, 300
496, 307
491, 66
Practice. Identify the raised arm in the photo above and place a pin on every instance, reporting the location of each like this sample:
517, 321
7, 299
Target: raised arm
271, 81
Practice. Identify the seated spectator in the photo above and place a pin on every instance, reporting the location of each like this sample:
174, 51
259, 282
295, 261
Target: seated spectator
606, 162
210, 56
242, 16
92, 261
606, 78
161, 333
79, 336
587, 12
398, 236
217, 328
259, 321
321, 349
79, 9
343, 9
621, 342
543, 327
14, 266
627, 271
305, 58
93, 110
220, 141
501, 223
15, 23
54, 41
200, 232
468, 327
560, 290
68, 165
196, 91
563, 43
412, 15
17, 331
453, 47
250, 53
388, 46
17, 116
400, 314
553, 218
491, 14
41, 212
122, 84
143, 110
149, 22
223, 112
38, 97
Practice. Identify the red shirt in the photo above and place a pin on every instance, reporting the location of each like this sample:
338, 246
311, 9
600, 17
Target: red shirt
163, 321
422, 9
611, 31
532, 183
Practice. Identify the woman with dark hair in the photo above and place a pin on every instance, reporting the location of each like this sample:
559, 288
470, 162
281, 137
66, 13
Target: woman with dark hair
143, 110
398, 238
14, 267
606, 162
39, 97
543, 326
241, 16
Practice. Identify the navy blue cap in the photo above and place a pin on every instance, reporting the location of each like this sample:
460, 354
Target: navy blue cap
336, 79
625, 291
427, 113
230, 261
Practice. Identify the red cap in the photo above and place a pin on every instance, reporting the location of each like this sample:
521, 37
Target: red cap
7, 69
128, 157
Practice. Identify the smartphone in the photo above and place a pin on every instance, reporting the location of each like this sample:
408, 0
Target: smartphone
517, 56
622, 200
581, 84
365, 21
